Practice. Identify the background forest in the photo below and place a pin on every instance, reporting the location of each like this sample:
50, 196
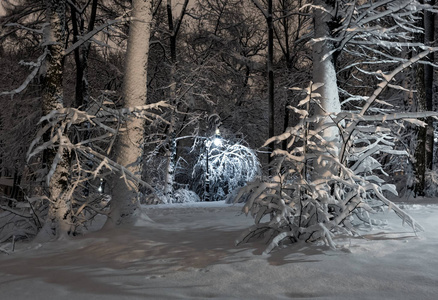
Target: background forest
120, 100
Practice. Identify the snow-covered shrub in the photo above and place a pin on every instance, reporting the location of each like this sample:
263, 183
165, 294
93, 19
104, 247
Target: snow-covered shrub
17, 223
23, 218
229, 166
431, 188
430, 176
184, 196
320, 187
243, 197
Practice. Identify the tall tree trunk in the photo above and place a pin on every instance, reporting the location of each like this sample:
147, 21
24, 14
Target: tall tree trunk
429, 40
420, 151
129, 147
424, 102
284, 5
271, 113
81, 53
269, 17
58, 222
171, 152
171, 136
324, 72
323, 63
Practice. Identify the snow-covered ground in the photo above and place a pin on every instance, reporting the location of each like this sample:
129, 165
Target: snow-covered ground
188, 252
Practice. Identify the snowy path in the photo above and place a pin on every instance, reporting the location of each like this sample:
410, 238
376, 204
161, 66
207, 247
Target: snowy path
189, 253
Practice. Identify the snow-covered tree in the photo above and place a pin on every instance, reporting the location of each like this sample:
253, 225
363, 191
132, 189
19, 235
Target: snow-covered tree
174, 26
57, 163
130, 143
424, 75
21, 38
295, 205
226, 43
324, 75
90, 166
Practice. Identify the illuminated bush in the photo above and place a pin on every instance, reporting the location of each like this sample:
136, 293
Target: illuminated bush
229, 166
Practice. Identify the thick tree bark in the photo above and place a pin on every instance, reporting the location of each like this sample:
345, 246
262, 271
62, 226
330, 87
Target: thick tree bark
324, 72
58, 222
324, 65
129, 146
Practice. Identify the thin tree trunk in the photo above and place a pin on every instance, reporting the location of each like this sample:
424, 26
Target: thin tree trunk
171, 150
286, 120
170, 167
268, 14
81, 54
129, 147
171, 153
429, 40
288, 58
420, 151
269, 20
422, 104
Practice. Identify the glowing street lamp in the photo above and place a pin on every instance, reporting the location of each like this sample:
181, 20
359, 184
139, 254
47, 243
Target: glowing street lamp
101, 186
217, 139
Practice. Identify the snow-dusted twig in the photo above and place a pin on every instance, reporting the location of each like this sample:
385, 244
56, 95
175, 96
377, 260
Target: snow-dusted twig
83, 39
30, 77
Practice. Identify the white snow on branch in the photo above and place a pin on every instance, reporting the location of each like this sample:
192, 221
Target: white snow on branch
36, 67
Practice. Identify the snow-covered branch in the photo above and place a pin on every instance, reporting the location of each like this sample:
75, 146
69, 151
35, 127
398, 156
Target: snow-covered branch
89, 162
36, 67
83, 39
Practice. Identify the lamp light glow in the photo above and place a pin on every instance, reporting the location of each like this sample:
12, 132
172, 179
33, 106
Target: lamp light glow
217, 141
